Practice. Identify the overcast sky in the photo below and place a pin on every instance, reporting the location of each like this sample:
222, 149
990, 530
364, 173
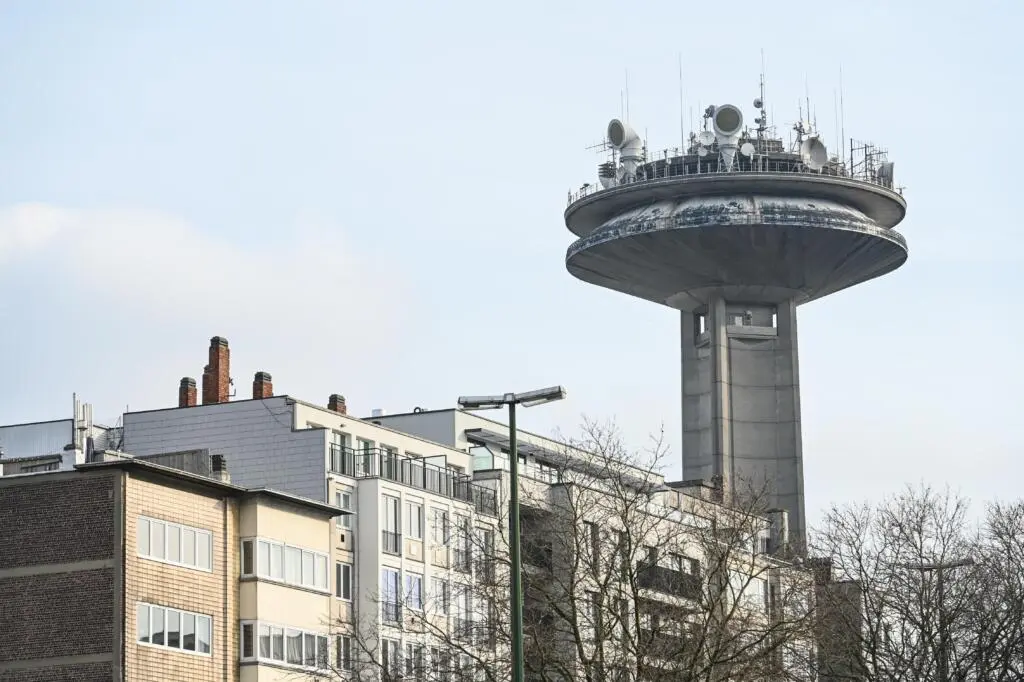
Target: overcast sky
367, 198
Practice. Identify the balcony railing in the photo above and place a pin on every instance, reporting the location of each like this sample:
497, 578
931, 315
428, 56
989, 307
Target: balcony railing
391, 542
662, 644
461, 560
537, 552
411, 471
391, 612
462, 629
668, 581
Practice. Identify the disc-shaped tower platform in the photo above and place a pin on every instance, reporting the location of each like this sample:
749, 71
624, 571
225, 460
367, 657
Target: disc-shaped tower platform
736, 252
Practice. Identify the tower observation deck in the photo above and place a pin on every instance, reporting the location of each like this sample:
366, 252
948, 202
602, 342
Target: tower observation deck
735, 231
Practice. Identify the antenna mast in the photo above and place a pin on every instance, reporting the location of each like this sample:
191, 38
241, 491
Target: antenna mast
842, 117
682, 125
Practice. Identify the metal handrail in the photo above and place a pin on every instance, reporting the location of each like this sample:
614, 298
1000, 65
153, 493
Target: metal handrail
778, 169
412, 471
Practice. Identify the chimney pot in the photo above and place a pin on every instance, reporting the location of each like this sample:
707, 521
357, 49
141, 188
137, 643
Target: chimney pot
217, 376
187, 392
336, 403
262, 385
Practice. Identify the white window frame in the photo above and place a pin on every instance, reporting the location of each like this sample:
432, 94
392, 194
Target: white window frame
322, 658
414, 520
345, 653
411, 580
180, 529
339, 572
181, 638
321, 564
345, 520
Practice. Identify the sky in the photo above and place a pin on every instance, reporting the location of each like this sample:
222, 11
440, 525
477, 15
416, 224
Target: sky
367, 198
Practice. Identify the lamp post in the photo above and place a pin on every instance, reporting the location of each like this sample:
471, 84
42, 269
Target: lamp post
940, 568
493, 402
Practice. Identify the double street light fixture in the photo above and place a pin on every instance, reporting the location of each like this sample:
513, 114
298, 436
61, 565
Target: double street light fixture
494, 402
940, 569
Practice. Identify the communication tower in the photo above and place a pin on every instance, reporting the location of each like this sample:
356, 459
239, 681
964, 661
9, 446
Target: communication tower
735, 232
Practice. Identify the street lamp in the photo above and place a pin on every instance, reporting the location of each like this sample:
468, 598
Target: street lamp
940, 568
493, 402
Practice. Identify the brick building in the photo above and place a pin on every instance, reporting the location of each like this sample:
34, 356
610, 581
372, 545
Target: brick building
129, 570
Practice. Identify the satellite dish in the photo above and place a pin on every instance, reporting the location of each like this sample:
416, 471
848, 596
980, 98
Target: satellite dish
747, 149
703, 151
727, 120
813, 153
706, 138
757, 102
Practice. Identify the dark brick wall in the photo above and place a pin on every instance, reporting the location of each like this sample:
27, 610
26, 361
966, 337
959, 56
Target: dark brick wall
60, 614
57, 521
89, 672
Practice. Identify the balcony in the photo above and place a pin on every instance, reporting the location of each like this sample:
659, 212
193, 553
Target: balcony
668, 581
462, 630
660, 644
391, 612
461, 560
391, 543
537, 552
413, 472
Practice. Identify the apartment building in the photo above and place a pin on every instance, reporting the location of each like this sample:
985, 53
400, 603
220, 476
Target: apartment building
53, 445
124, 569
400, 558
633, 564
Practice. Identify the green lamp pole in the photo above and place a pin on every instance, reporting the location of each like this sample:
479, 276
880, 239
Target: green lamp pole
493, 402
943, 655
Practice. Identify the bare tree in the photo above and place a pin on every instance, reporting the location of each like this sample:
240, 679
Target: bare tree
919, 592
625, 578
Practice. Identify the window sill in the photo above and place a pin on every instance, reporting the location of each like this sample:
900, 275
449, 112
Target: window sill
178, 564
174, 650
282, 665
281, 583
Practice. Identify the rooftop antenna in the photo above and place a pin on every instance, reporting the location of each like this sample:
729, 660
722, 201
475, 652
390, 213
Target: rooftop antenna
807, 97
842, 116
762, 121
682, 126
627, 95
835, 111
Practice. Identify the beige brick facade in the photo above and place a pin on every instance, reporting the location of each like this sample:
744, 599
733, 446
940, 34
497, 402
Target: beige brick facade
212, 593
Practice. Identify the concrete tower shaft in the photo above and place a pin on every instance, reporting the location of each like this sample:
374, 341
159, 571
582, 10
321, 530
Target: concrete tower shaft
735, 242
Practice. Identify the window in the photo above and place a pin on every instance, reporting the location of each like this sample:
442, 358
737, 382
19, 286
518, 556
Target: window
415, 663
389, 655
248, 643
390, 587
591, 542
440, 663
343, 580
173, 628
279, 644
343, 653
292, 565
174, 543
35, 468
442, 533
440, 595
594, 614
414, 527
414, 591
392, 519
343, 500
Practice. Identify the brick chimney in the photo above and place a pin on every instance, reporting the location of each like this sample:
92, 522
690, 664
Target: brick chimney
187, 392
262, 386
336, 403
217, 374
